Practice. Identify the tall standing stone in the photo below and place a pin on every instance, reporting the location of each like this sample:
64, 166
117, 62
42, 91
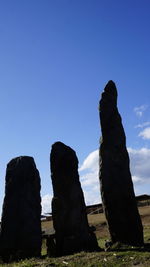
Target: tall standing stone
68, 207
20, 235
117, 191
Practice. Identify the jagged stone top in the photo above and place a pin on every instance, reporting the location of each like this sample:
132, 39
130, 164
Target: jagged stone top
109, 95
111, 88
110, 119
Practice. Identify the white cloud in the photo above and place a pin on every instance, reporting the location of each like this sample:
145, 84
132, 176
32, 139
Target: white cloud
145, 134
136, 179
92, 197
90, 167
46, 203
142, 125
140, 170
91, 162
139, 165
89, 178
140, 110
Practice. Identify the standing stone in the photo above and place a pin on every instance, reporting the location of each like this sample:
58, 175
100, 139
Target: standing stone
68, 207
20, 235
117, 191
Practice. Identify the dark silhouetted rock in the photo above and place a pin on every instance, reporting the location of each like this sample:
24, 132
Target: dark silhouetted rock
20, 235
68, 207
117, 191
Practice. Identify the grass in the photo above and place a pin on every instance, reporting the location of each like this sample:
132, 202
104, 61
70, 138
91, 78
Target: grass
117, 258
124, 256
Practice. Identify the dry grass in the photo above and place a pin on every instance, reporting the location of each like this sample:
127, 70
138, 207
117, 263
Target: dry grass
99, 221
47, 226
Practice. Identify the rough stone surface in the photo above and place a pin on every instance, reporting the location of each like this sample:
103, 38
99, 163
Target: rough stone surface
68, 207
20, 235
117, 191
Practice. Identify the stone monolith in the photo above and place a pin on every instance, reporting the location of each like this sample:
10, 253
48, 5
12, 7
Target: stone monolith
20, 235
70, 222
117, 191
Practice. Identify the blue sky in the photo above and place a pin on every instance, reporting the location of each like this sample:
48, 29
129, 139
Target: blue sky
55, 58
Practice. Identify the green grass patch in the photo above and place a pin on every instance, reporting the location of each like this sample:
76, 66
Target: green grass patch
127, 257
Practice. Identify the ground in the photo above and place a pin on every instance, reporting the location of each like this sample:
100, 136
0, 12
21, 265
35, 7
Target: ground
124, 256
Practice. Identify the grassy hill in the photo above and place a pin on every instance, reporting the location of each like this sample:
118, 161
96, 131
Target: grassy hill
123, 256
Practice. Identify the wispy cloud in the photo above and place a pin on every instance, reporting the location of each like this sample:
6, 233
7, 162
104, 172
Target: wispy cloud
145, 134
46, 203
142, 125
140, 110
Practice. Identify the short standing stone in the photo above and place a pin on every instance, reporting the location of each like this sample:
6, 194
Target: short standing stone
20, 235
68, 207
116, 184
